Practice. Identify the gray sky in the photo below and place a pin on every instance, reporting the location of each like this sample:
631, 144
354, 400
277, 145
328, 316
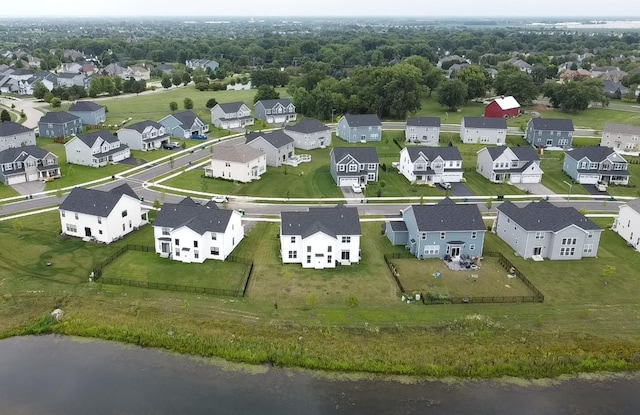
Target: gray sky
256, 8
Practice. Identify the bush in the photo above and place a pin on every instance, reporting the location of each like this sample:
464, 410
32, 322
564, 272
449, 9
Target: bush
352, 301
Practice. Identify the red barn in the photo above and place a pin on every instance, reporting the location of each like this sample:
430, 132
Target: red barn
502, 107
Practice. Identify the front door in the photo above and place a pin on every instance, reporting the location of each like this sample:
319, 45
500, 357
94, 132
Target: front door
87, 231
537, 250
319, 264
164, 247
455, 251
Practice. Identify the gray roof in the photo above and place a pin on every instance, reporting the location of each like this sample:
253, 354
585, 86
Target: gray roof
199, 218
552, 124
58, 117
611, 86
594, 154
231, 107
543, 216
362, 154
339, 220
12, 154
634, 204
69, 75
307, 126
431, 153
277, 138
187, 118
85, 106
8, 128
241, 153
485, 122
91, 138
270, 103
616, 128
523, 153
95, 202
398, 226
447, 216
424, 122
362, 120
142, 125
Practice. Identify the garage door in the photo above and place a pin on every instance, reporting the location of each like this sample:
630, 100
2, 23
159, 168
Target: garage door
531, 178
451, 177
348, 181
20, 178
33, 177
234, 124
516, 178
585, 179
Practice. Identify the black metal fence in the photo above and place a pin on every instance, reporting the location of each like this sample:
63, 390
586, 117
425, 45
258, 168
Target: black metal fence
394, 273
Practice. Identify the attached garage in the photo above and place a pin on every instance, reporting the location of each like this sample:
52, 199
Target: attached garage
588, 179
234, 124
33, 177
452, 177
18, 178
531, 178
348, 181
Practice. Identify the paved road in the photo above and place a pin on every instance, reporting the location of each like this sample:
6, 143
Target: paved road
29, 107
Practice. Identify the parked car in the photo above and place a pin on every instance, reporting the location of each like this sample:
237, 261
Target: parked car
602, 187
220, 199
445, 185
170, 145
356, 188
199, 137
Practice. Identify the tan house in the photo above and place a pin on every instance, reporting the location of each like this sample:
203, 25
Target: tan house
238, 162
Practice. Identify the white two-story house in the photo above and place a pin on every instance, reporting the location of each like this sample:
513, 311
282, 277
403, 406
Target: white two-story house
621, 137
321, 237
627, 224
483, 130
96, 149
424, 130
431, 165
509, 164
239, 162
144, 135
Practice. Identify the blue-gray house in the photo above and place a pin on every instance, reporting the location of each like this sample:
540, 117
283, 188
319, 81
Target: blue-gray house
359, 128
184, 124
59, 124
433, 231
90, 112
549, 132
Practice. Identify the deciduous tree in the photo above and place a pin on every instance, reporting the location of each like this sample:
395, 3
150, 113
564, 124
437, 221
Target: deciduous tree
452, 94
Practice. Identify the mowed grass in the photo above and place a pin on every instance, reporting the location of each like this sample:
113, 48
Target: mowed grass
7, 191
591, 118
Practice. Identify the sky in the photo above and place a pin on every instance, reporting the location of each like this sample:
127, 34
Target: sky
258, 8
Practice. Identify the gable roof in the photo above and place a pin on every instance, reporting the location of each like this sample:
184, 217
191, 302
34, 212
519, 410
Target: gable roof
448, 216
231, 107
143, 125
361, 154
634, 204
431, 153
339, 220
58, 117
424, 122
90, 139
594, 154
507, 103
186, 118
270, 103
240, 153
10, 155
543, 216
8, 128
485, 122
362, 120
277, 139
307, 126
95, 202
199, 218
612, 86
87, 106
617, 128
552, 124
522, 153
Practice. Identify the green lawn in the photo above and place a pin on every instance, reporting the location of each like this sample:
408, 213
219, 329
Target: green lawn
431, 108
7, 191
593, 118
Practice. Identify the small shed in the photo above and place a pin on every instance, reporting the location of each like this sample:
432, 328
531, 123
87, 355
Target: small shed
502, 107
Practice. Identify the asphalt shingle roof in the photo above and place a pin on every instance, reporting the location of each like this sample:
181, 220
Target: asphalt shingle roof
231, 107
552, 124
193, 215
634, 204
8, 128
307, 126
424, 122
616, 128
91, 138
11, 154
88, 106
523, 153
362, 120
447, 216
594, 154
143, 125
241, 153
543, 216
277, 138
485, 122
339, 220
270, 103
58, 117
95, 202
431, 153
187, 118
362, 154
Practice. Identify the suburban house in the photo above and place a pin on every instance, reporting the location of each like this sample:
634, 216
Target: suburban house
28, 163
96, 149
509, 164
184, 124
15, 135
621, 137
48, 79
70, 67
202, 63
541, 230
275, 111
309, 134
67, 80
276, 145
627, 224
191, 232
59, 124
321, 237
502, 107
90, 112
144, 135
431, 165
102, 216
138, 73
359, 128
433, 231
614, 90
354, 165
114, 69
238, 162
591, 165
521, 65
549, 132
483, 130
231, 115
424, 130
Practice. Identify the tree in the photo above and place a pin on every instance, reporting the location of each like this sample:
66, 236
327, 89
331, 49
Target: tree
511, 81
475, 79
188, 103
266, 92
39, 90
211, 102
176, 77
5, 116
186, 78
452, 94
48, 97
55, 102
574, 96
166, 81
173, 106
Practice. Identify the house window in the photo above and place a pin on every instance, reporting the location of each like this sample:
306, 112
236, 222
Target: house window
567, 251
583, 165
214, 236
353, 167
195, 244
196, 254
474, 235
345, 255
329, 249
72, 228
177, 252
341, 167
227, 164
346, 239
371, 177
423, 236
309, 248
308, 259
443, 235
588, 249
293, 254
432, 250
165, 231
62, 213
215, 251
124, 213
372, 166
293, 239
76, 215
329, 258
539, 235
472, 247
176, 242
569, 241
590, 234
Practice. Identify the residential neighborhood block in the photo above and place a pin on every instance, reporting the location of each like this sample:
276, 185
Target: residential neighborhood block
309, 134
592, 165
431, 165
238, 162
550, 132
424, 131
96, 149
354, 165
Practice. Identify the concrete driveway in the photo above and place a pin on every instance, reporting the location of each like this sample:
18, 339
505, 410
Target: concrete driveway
535, 188
460, 189
29, 188
348, 193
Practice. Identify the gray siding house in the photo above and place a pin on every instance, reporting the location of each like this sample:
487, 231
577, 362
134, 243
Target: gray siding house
96, 149
144, 135
591, 165
90, 112
59, 124
231, 115
15, 135
425, 131
275, 111
433, 231
276, 145
27, 164
621, 137
541, 230
354, 165
509, 164
549, 132
359, 128
309, 134
184, 124
484, 130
